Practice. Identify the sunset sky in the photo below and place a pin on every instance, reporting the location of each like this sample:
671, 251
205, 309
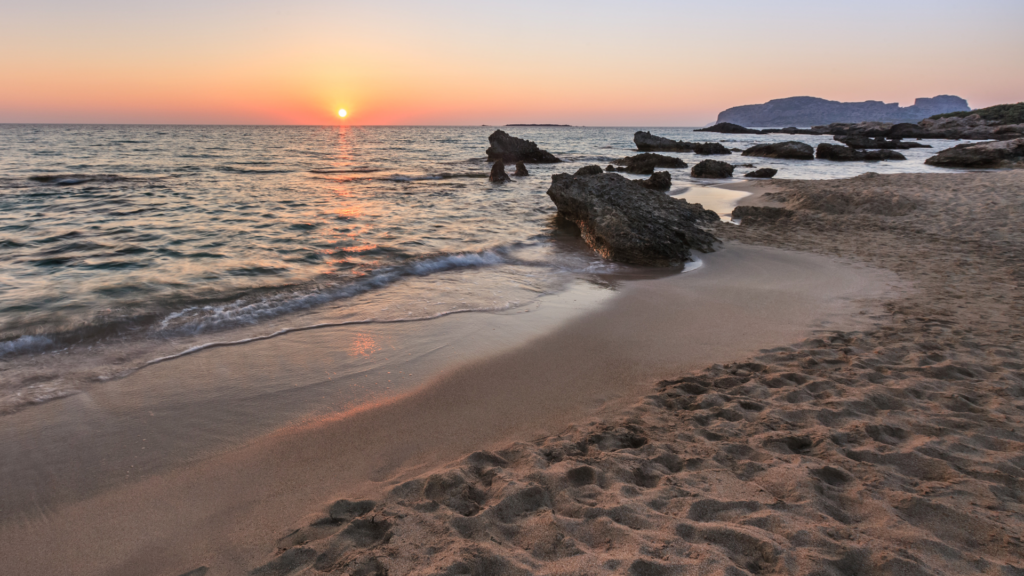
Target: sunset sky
653, 63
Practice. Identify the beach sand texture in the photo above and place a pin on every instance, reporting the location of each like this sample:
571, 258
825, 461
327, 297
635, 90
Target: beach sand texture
892, 450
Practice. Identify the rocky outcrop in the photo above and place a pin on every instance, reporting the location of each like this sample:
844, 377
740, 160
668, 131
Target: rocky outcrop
810, 111
658, 181
498, 174
762, 173
759, 214
521, 169
1005, 154
511, 149
646, 163
647, 142
788, 150
839, 153
971, 127
712, 169
625, 221
865, 143
728, 128
589, 171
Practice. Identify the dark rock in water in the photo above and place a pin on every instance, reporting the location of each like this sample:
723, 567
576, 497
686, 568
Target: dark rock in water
658, 181
647, 142
839, 153
511, 149
759, 214
863, 142
498, 174
627, 222
521, 169
646, 163
728, 128
589, 171
762, 173
1005, 154
610, 168
791, 150
712, 169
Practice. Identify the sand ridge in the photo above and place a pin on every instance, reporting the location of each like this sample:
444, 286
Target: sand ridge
896, 449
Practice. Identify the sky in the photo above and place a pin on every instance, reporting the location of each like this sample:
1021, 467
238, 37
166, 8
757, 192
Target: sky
404, 62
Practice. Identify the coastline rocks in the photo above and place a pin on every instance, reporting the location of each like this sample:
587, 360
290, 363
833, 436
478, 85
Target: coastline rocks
521, 169
647, 142
498, 175
789, 150
839, 153
762, 173
658, 181
712, 169
589, 171
864, 142
760, 214
511, 149
728, 128
1004, 154
646, 163
624, 221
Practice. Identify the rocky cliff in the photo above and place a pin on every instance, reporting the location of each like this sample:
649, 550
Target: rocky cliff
809, 111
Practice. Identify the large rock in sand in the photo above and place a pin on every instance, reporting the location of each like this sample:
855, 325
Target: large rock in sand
511, 149
839, 153
625, 221
646, 163
712, 169
1005, 154
789, 150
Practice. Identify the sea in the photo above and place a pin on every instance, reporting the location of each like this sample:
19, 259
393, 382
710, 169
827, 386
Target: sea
124, 246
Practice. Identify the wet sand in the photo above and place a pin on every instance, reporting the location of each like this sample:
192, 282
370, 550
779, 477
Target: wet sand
228, 510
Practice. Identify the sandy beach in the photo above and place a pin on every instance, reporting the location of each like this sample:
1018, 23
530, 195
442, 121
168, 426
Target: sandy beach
835, 392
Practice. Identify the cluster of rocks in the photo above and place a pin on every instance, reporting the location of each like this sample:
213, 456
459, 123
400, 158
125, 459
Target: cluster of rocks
645, 163
972, 127
1003, 154
841, 153
868, 143
647, 142
626, 221
498, 174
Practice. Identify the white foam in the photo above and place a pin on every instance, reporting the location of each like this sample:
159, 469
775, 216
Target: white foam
24, 344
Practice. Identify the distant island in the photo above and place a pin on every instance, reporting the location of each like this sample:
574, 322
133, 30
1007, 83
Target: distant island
810, 111
558, 125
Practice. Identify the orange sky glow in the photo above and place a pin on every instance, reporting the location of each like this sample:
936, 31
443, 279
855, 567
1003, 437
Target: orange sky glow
455, 63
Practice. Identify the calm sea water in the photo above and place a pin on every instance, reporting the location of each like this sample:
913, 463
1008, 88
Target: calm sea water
122, 244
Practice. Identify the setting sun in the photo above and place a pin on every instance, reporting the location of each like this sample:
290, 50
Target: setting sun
342, 113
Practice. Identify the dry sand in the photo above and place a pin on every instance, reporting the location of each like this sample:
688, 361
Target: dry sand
895, 449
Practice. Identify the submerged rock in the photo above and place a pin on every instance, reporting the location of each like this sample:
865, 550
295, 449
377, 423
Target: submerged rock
658, 181
728, 128
839, 153
712, 169
498, 174
512, 149
790, 150
864, 142
762, 173
1005, 154
646, 163
647, 142
521, 169
625, 221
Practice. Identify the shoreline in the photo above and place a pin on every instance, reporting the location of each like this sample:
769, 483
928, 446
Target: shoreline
517, 403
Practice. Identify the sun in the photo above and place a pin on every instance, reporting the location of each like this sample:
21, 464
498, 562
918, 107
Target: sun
342, 112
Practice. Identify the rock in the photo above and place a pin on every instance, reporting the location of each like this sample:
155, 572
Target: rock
627, 222
498, 174
610, 168
658, 181
728, 128
646, 163
1004, 154
839, 153
791, 150
589, 171
863, 142
647, 142
512, 149
712, 169
762, 173
760, 214
521, 169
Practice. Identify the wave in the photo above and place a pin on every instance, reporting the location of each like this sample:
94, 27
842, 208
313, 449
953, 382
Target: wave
236, 170
75, 179
441, 176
